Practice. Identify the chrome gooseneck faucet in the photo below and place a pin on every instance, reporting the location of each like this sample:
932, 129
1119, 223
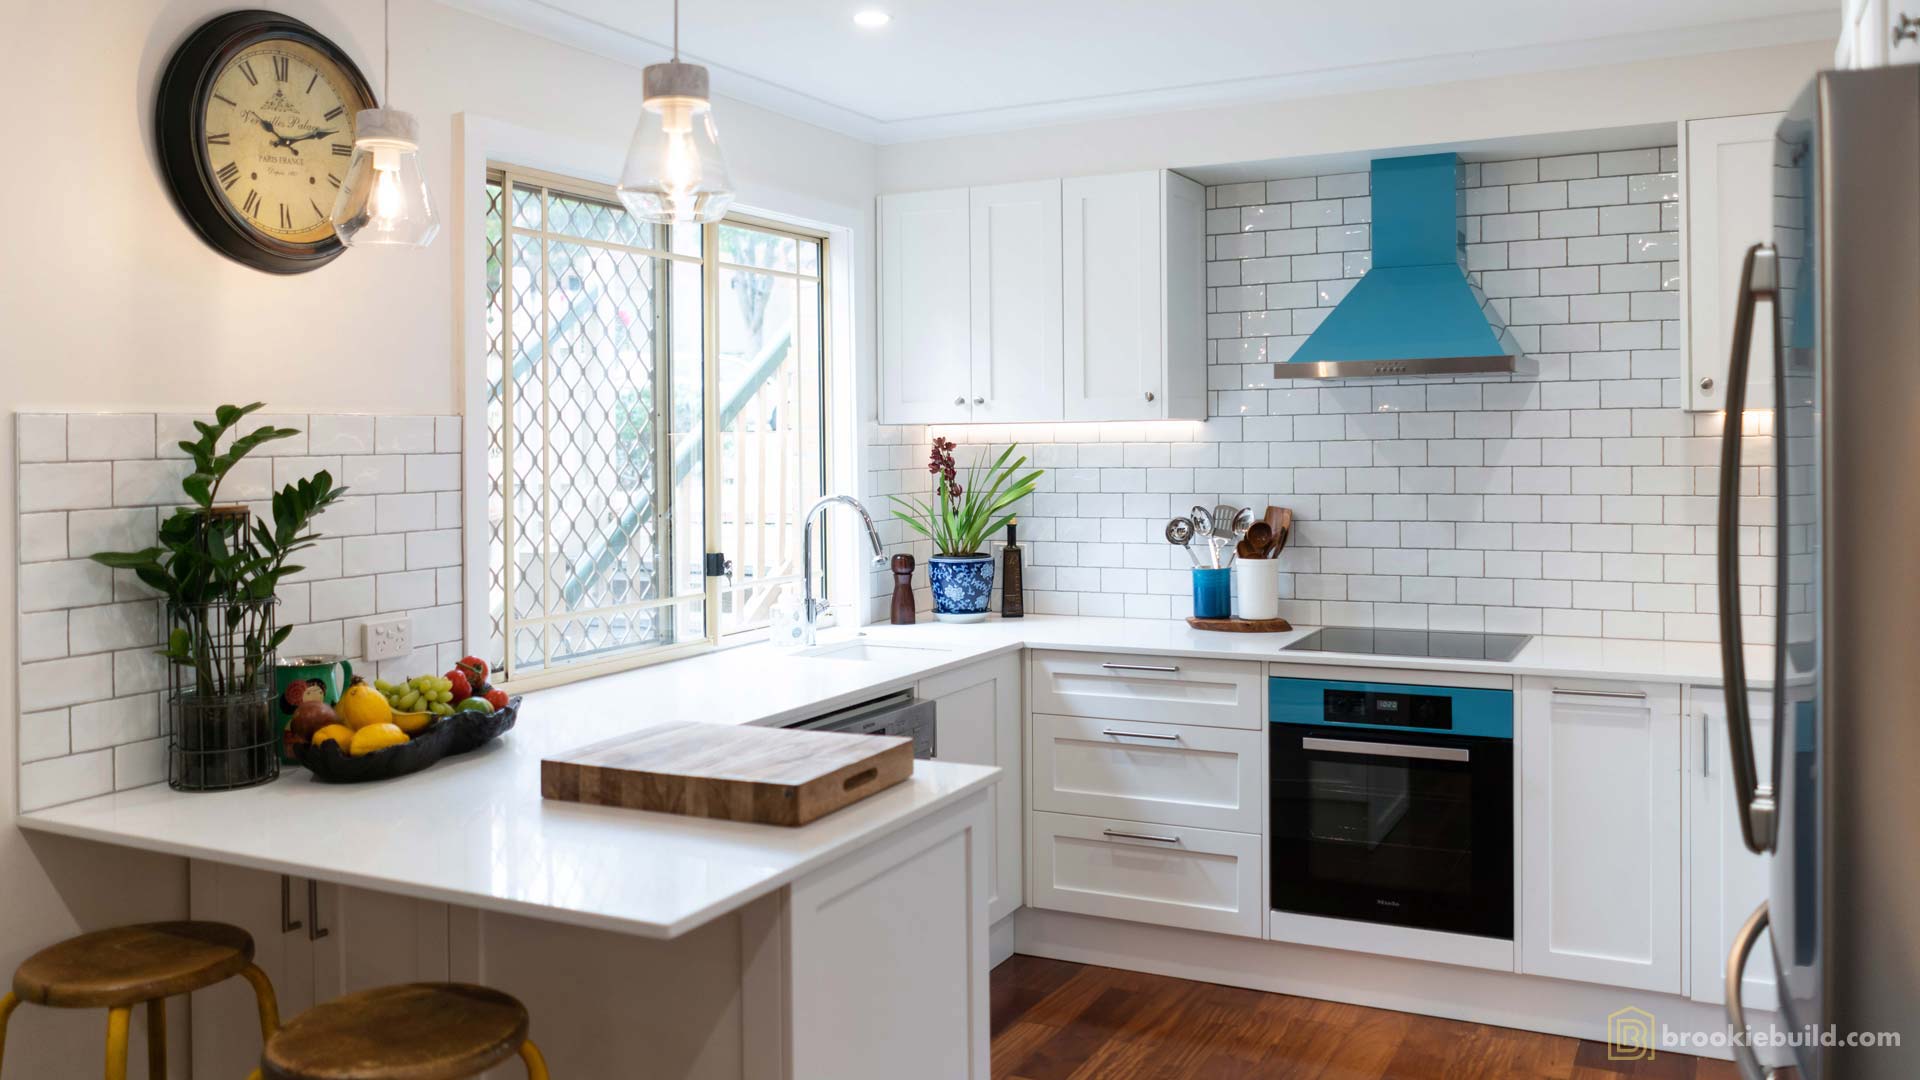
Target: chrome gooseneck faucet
812, 608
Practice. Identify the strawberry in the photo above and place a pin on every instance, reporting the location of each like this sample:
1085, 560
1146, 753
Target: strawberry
462, 689
497, 698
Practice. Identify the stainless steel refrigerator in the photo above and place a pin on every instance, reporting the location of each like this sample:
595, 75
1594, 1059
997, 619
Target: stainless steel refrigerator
1839, 810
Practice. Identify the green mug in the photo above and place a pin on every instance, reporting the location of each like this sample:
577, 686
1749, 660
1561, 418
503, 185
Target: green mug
325, 679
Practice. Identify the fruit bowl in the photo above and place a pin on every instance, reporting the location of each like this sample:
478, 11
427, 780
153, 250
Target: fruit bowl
330, 762
445, 736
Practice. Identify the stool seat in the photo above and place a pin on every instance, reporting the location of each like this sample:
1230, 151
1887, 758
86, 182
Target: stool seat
415, 1031
131, 964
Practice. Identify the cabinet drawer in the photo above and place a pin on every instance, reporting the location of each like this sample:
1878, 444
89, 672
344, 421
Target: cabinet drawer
1169, 875
1157, 689
1178, 774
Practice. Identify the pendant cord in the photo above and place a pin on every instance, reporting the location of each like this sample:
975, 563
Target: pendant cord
386, 48
676, 31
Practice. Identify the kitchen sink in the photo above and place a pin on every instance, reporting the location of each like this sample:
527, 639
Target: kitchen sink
861, 649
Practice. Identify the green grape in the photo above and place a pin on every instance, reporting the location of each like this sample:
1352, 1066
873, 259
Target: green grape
410, 703
383, 686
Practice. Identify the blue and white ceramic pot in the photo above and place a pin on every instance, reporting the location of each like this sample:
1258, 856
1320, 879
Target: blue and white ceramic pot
961, 586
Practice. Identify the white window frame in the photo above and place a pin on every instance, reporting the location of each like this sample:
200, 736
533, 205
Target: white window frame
480, 140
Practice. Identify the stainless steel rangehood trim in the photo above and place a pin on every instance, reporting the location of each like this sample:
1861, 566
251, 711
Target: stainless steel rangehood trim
1415, 311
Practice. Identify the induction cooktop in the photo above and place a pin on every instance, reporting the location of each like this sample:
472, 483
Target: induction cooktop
1434, 644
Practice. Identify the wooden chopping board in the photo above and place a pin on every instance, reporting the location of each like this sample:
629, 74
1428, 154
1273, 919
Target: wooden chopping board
765, 775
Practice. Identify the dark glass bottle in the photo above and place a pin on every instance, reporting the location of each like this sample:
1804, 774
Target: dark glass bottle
1013, 596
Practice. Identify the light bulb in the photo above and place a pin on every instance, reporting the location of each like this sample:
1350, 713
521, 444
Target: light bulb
674, 173
383, 197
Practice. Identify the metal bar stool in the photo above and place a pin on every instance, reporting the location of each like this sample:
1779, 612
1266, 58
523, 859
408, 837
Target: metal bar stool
128, 965
415, 1031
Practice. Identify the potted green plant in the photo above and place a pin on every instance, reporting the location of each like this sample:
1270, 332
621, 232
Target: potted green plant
959, 520
218, 569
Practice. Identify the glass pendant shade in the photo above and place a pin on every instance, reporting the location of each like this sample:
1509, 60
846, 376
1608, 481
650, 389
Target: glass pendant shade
674, 173
383, 198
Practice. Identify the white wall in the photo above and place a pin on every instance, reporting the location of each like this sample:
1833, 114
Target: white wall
108, 301
1623, 95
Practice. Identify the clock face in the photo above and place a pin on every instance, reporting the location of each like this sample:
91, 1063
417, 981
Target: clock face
279, 132
254, 120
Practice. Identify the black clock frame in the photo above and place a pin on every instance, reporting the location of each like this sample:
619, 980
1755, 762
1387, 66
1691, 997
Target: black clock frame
180, 134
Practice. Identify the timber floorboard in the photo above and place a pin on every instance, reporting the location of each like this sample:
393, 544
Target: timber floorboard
1054, 1020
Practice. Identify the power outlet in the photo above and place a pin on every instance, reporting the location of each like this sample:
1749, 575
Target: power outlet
387, 639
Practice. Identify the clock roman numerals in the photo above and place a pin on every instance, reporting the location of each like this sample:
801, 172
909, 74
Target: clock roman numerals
228, 174
281, 68
310, 82
251, 207
224, 99
332, 179
217, 138
334, 113
286, 217
246, 68
317, 212
342, 150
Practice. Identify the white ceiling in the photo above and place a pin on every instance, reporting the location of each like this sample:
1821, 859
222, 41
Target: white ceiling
945, 67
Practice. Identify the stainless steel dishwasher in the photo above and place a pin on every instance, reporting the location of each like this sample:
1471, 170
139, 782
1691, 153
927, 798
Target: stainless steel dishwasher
896, 714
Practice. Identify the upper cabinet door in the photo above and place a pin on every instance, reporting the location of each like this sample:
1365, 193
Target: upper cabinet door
1114, 342
1016, 302
925, 352
1727, 205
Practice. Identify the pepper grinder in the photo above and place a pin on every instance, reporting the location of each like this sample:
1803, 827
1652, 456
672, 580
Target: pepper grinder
1013, 596
902, 590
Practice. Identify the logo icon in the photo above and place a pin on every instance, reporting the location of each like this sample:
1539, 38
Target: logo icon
1630, 1035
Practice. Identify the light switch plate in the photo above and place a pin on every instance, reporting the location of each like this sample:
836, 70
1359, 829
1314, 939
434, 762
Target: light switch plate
387, 639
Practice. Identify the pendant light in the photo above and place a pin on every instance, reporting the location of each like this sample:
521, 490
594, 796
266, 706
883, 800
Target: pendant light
383, 199
674, 173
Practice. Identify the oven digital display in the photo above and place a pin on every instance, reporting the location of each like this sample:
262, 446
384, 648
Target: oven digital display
1433, 712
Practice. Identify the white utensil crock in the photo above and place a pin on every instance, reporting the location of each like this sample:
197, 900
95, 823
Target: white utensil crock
1256, 588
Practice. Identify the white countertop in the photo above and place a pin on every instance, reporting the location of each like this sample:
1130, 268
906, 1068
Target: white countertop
474, 830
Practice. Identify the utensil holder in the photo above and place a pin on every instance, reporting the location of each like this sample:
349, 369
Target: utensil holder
1256, 588
1212, 593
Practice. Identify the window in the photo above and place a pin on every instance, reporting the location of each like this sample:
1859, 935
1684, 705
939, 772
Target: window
617, 457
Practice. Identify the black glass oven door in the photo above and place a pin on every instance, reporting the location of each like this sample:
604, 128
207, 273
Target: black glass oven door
1411, 829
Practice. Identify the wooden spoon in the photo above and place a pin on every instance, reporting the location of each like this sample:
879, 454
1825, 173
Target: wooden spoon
1258, 543
1283, 532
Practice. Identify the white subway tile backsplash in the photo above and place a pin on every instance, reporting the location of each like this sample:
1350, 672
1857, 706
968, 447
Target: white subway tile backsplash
1488, 503
91, 685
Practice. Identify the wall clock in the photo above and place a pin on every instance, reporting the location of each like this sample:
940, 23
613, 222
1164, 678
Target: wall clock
254, 124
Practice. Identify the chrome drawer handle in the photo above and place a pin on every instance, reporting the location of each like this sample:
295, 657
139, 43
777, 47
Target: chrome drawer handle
1382, 749
1631, 695
1139, 735
1118, 835
1141, 667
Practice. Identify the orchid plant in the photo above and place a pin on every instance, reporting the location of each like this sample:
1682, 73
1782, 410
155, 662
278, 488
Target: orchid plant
960, 516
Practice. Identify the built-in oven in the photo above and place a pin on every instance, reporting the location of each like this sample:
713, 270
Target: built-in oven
1393, 803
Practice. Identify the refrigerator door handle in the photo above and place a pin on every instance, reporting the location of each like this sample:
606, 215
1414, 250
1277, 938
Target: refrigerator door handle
1743, 942
1759, 279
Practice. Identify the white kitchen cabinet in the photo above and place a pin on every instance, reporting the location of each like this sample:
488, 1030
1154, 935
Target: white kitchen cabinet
1874, 33
1168, 875
926, 352
1014, 258
315, 941
1726, 204
1601, 821
1153, 689
1080, 299
977, 722
1727, 881
1135, 274
1179, 774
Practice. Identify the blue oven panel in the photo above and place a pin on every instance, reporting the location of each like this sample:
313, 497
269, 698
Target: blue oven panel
1391, 707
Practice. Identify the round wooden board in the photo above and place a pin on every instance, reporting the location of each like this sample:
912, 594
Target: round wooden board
1241, 626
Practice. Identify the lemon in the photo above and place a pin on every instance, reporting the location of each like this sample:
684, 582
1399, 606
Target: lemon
376, 737
339, 734
362, 706
412, 722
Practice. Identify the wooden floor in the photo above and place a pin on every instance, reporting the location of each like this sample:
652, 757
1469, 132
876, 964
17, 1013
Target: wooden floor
1055, 1021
